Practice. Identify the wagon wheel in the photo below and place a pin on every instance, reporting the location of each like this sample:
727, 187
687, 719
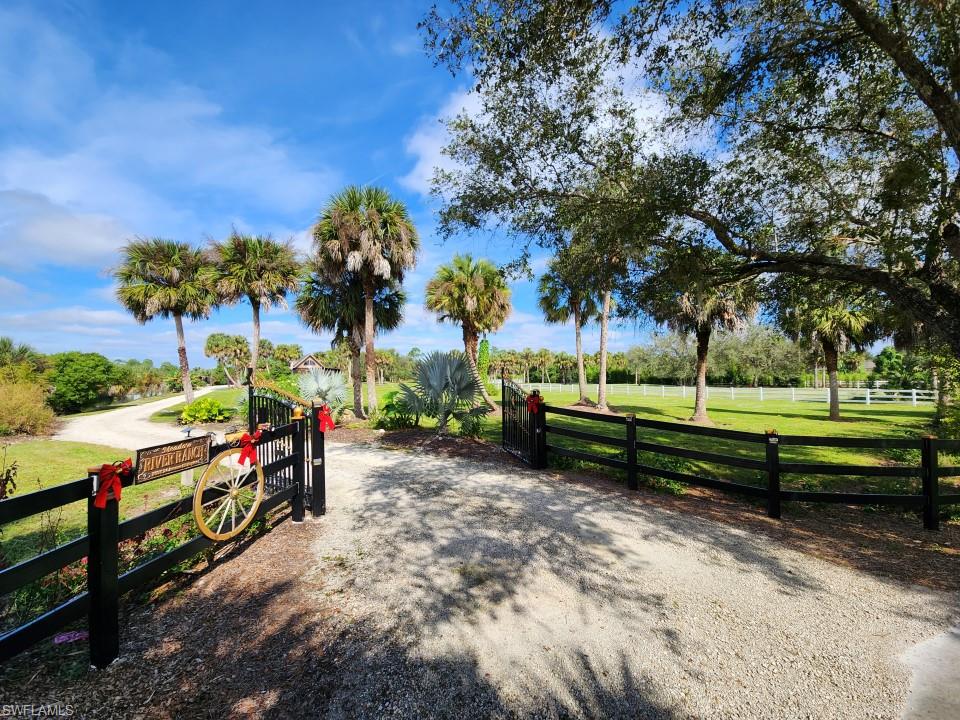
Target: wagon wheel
228, 495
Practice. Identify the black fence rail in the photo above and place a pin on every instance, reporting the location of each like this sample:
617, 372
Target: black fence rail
769, 467
284, 455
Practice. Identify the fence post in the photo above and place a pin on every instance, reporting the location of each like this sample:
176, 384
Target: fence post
103, 617
773, 474
868, 396
538, 438
913, 397
793, 394
644, 389
632, 452
251, 410
761, 393
318, 468
931, 483
299, 470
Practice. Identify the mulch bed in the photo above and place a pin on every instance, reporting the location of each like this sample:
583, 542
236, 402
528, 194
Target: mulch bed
885, 543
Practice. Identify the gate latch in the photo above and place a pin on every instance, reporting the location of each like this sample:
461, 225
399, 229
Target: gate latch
317, 462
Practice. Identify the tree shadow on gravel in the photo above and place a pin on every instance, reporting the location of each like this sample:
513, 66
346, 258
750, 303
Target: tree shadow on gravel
474, 549
272, 653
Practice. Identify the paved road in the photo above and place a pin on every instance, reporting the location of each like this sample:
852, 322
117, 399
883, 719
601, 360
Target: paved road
128, 428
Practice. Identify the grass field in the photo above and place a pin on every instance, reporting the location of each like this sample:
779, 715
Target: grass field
787, 418
45, 463
228, 397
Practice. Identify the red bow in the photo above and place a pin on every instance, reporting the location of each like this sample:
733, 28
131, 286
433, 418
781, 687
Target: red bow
110, 481
324, 418
249, 451
533, 404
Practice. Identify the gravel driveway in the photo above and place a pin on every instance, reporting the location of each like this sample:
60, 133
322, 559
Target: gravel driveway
442, 587
483, 591
129, 428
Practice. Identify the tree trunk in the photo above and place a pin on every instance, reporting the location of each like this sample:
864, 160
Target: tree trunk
830, 359
703, 347
184, 364
470, 340
226, 371
371, 359
581, 365
602, 379
354, 342
255, 350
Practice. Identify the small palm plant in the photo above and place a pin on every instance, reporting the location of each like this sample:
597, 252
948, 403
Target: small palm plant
325, 386
446, 388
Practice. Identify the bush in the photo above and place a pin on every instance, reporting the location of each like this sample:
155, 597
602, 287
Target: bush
23, 410
204, 410
395, 414
80, 380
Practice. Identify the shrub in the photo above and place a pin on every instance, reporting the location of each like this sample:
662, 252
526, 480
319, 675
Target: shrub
394, 413
23, 410
80, 380
327, 386
446, 389
204, 410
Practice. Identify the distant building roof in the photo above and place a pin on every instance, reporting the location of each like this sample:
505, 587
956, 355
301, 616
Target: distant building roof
306, 364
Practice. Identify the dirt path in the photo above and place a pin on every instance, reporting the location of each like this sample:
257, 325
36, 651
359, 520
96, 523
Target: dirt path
129, 428
445, 587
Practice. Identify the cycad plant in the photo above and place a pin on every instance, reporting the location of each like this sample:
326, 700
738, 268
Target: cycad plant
446, 388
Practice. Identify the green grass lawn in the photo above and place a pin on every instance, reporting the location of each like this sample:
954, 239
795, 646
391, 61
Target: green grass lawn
45, 463
228, 397
787, 418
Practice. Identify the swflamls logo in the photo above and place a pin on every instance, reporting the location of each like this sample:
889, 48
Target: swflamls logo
31, 710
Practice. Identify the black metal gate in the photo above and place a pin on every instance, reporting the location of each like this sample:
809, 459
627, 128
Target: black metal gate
265, 408
516, 420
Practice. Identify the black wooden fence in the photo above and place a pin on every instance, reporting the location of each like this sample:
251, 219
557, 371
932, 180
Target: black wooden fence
527, 435
285, 455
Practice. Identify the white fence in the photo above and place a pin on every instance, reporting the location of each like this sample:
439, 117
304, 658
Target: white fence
866, 396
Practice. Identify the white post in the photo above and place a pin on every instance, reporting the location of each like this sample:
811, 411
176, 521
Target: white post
793, 394
644, 389
663, 391
761, 393
731, 392
913, 398
827, 395
684, 389
868, 396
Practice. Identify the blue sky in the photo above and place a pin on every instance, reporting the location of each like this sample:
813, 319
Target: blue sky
183, 119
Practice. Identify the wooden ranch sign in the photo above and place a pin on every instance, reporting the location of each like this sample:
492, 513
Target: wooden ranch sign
161, 460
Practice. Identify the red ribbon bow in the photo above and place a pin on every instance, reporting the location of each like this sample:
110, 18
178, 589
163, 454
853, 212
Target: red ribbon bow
249, 450
110, 481
324, 418
533, 404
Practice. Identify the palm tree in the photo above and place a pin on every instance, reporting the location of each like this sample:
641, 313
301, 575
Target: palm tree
526, 358
565, 362
474, 295
366, 232
687, 300
231, 351
340, 307
561, 298
833, 317
258, 269
545, 360
164, 278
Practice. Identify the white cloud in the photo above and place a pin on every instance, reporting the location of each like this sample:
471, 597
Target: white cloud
431, 136
11, 291
159, 160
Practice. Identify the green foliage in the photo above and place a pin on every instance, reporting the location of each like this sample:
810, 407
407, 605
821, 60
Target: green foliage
79, 380
445, 389
204, 410
23, 410
395, 414
483, 358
